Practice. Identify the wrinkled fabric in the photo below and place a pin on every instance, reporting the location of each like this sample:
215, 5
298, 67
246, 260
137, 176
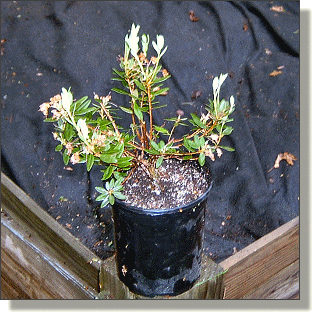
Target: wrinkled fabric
52, 44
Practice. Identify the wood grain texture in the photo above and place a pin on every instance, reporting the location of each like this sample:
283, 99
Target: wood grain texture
55, 240
283, 285
41, 259
260, 262
209, 285
30, 269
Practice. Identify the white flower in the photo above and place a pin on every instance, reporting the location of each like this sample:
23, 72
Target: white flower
145, 43
159, 45
222, 78
133, 40
232, 101
67, 98
83, 128
215, 83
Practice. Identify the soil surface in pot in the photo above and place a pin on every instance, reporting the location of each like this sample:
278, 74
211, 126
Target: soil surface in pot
177, 183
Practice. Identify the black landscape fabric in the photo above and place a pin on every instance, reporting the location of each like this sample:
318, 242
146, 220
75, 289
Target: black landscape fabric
47, 45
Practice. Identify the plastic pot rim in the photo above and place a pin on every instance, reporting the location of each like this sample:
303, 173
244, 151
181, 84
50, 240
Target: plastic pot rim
184, 207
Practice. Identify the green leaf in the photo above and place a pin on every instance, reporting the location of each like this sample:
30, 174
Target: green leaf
227, 148
90, 161
119, 149
101, 197
124, 162
139, 85
85, 111
187, 144
105, 202
161, 145
227, 130
159, 162
50, 120
138, 112
58, 147
119, 73
197, 141
66, 157
161, 129
111, 199
161, 91
119, 195
119, 176
101, 190
154, 145
68, 131
81, 106
197, 121
202, 159
202, 141
107, 173
223, 105
125, 109
108, 158
121, 91
158, 80
188, 157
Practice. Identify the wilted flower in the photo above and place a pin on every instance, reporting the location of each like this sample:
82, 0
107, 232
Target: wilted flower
204, 118
208, 152
165, 72
153, 60
99, 141
214, 137
69, 148
55, 100
44, 108
219, 152
75, 158
56, 114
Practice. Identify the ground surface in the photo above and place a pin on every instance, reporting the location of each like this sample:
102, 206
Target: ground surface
49, 44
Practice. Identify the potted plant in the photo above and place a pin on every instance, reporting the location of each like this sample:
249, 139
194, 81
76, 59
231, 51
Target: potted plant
157, 183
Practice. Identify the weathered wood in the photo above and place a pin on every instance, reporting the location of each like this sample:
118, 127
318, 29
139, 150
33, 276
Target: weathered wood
261, 261
283, 285
57, 262
59, 243
209, 285
29, 268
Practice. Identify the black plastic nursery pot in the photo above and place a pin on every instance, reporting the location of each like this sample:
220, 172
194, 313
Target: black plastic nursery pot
158, 252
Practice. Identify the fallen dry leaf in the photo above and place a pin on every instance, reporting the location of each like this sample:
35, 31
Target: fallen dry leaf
268, 51
192, 16
275, 73
245, 27
2, 48
284, 156
196, 94
277, 8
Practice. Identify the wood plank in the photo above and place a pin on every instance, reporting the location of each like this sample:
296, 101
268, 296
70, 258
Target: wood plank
28, 268
283, 285
61, 243
209, 285
260, 261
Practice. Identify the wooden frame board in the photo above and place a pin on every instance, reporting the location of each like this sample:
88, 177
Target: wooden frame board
41, 260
